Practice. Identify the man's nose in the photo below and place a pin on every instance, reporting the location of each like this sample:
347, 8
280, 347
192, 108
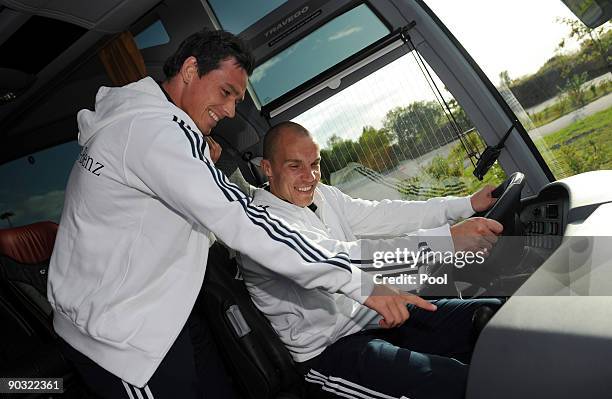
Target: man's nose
229, 109
309, 174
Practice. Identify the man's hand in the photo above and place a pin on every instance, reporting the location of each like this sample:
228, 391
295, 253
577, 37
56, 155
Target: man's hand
482, 200
475, 234
214, 148
391, 305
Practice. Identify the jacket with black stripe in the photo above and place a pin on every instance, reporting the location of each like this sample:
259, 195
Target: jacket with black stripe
131, 250
309, 320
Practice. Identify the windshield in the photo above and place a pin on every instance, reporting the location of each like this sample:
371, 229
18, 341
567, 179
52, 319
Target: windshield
388, 137
552, 70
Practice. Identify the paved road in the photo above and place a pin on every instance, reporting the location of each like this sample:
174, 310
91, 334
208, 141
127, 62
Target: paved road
597, 81
591, 108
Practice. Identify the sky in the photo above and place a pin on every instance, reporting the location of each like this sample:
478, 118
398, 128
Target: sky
517, 36
367, 101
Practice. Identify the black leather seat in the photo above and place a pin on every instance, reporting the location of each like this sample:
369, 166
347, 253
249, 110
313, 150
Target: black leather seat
257, 361
29, 344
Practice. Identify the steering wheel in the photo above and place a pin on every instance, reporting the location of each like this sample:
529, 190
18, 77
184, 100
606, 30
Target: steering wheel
506, 251
508, 196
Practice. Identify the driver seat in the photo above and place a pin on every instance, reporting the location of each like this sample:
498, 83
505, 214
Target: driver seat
256, 359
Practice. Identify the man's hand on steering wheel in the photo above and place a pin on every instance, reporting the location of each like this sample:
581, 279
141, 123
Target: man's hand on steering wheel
482, 199
475, 234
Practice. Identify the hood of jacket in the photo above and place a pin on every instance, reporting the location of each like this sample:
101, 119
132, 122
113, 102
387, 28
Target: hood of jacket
115, 103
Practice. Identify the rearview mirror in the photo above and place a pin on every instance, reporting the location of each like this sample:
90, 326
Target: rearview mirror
592, 13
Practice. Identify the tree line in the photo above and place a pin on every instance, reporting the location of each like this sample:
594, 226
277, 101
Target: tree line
406, 133
559, 73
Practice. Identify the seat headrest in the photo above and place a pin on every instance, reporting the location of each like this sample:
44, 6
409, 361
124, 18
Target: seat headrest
29, 244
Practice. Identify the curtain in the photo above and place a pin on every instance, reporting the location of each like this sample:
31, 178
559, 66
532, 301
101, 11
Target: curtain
122, 60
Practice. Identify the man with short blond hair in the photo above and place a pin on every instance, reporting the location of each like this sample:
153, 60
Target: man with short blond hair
337, 342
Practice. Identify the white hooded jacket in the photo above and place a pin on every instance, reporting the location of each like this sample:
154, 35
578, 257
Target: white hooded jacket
132, 245
308, 320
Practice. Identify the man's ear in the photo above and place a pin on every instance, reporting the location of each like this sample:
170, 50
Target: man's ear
189, 69
266, 166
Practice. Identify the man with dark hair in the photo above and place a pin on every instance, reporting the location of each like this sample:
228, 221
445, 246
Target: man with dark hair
141, 203
336, 341
209, 49
206, 51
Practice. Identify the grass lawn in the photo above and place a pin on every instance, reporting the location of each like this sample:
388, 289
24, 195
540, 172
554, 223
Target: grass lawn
582, 146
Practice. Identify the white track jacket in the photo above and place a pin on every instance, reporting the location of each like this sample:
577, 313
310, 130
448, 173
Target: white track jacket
132, 245
308, 320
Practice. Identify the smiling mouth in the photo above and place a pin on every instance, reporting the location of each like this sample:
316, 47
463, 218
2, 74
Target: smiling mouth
304, 189
213, 115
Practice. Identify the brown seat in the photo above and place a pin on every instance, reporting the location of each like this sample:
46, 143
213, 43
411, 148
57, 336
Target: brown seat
25, 252
26, 314
29, 346
29, 244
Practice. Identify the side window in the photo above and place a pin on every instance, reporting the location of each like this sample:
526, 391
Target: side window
151, 36
389, 136
32, 187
